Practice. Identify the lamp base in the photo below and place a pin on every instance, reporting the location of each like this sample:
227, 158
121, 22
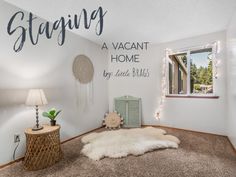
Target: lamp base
36, 128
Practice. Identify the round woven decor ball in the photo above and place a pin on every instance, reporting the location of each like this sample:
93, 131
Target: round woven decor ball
113, 120
83, 69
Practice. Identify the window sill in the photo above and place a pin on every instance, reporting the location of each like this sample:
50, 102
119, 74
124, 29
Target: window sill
193, 96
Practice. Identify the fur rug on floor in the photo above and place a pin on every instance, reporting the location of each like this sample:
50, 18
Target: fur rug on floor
121, 143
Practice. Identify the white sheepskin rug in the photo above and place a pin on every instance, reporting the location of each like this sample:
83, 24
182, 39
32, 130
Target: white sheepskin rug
121, 143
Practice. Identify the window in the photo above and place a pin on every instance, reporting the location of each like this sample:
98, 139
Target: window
190, 72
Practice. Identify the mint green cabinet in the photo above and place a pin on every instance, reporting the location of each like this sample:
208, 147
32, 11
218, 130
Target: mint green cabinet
130, 109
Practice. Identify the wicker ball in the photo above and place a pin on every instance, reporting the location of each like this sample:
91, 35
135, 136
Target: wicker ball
113, 120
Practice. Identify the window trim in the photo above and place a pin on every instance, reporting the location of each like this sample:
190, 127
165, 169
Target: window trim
188, 51
210, 96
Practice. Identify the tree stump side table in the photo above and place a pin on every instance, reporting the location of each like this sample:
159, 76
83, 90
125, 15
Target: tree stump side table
42, 147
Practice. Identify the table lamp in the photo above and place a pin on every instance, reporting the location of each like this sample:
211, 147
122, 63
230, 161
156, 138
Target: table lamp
36, 97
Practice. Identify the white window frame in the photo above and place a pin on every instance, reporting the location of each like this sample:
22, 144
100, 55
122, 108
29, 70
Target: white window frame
214, 47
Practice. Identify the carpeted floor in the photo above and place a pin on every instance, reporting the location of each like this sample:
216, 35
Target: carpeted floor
199, 155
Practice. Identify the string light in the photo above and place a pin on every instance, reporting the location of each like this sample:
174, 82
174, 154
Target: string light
163, 84
216, 61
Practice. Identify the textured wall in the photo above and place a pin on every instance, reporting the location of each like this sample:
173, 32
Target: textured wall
46, 66
231, 84
207, 115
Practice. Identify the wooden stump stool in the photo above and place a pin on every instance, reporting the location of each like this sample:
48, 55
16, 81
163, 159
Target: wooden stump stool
42, 147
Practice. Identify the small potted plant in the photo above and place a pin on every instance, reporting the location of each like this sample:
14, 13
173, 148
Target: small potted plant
52, 114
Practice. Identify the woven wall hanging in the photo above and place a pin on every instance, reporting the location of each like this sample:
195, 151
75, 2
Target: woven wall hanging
83, 72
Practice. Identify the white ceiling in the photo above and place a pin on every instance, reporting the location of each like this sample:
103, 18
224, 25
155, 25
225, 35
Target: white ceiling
141, 20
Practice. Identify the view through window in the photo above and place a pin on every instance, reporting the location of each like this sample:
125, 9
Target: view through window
201, 81
178, 74
193, 78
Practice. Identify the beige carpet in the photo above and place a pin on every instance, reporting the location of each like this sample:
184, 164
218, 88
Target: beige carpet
198, 155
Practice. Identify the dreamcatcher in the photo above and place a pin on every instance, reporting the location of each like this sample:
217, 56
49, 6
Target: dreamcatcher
83, 72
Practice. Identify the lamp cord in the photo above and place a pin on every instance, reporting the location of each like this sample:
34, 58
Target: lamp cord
14, 153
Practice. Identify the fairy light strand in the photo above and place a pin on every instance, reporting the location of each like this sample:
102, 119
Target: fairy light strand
163, 83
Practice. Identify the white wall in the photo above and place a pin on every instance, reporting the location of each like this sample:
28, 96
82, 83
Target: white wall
46, 66
207, 115
231, 84
49, 66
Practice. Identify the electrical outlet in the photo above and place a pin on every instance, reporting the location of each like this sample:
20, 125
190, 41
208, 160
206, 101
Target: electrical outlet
16, 138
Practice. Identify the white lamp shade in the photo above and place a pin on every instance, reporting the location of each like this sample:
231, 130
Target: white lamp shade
36, 97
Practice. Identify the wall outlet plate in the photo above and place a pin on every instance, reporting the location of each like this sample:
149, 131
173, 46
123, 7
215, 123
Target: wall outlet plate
16, 138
